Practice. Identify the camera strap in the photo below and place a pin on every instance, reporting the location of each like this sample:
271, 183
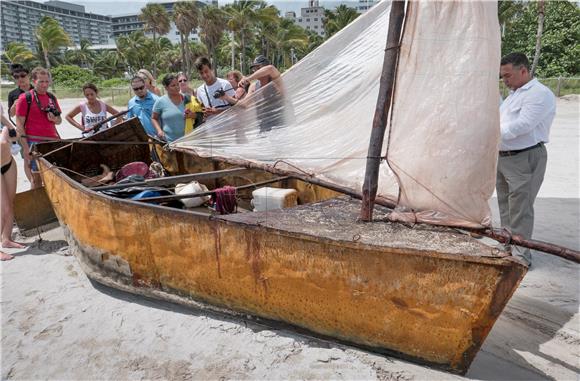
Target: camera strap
207, 95
51, 100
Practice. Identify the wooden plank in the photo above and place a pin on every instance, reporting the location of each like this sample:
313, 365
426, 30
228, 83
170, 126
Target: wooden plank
33, 211
171, 180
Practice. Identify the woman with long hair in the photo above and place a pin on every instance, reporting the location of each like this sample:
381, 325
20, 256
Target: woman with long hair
149, 81
93, 111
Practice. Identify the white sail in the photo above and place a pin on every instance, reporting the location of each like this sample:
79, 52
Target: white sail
317, 119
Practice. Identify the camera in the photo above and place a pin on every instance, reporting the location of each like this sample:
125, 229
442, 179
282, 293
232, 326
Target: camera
219, 93
52, 109
12, 133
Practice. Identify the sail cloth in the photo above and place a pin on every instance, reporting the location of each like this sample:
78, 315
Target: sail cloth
444, 136
317, 118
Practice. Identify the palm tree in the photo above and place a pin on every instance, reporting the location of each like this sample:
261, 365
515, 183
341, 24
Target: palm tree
186, 19
267, 23
212, 24
108, 64
538, 36
507, 10
16, 52
50, 37
133, 49
335, 20
169, 57
82, 56
157, 22
314, 41
287, 37
242, 15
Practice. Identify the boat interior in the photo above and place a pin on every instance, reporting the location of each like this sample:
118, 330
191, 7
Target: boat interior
88, 162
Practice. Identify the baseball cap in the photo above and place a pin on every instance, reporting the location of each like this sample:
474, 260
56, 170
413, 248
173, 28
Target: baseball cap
260, 61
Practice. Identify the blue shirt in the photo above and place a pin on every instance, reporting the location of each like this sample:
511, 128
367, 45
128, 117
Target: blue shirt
171, 117
143, 109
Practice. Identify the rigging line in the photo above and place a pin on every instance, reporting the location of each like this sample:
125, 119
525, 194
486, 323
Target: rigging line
53, 167
293, 166
460, 213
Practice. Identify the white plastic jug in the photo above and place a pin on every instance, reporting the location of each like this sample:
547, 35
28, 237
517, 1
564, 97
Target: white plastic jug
273, 198
192, 187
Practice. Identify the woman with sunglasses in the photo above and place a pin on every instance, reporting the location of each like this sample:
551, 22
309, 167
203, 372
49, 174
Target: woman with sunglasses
8, 185
149, 81
184, 88
169, 111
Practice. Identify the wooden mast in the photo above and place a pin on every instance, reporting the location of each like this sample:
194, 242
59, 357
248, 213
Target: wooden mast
380, 119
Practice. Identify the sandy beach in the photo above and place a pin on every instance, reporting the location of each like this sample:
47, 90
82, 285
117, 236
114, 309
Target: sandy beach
57, 324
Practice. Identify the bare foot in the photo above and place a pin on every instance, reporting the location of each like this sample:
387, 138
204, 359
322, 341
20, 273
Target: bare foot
13, 245
5, 257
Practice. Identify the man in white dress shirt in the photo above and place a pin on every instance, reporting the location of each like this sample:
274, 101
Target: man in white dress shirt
525, 119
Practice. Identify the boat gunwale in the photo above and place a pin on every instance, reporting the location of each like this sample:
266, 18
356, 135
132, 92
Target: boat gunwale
506, 260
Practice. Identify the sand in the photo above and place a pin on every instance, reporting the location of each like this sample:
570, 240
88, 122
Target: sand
56, 324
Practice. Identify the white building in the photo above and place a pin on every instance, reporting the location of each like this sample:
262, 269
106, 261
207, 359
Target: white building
365, 5
311, 18
19, 19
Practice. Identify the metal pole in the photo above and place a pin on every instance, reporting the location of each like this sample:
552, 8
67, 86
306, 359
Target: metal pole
388, 74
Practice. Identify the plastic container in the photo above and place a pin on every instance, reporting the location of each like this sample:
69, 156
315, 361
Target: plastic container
273, 198
192, 187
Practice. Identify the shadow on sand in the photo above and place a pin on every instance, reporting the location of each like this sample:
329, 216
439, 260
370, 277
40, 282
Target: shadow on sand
535, 331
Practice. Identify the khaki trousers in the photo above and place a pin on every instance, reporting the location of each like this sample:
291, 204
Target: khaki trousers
519, 178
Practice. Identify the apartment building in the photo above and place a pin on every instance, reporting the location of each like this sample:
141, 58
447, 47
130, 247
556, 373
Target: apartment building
311, 18
18, 20
365, 5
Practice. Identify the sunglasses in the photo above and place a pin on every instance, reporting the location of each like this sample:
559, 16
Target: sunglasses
138, 88
21, 75
182, 80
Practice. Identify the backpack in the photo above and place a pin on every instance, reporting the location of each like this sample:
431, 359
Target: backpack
29, 103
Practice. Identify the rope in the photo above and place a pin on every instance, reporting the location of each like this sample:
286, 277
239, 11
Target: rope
291, 165
225, 200
53, 167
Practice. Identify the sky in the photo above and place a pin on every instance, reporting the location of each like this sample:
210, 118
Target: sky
113, 8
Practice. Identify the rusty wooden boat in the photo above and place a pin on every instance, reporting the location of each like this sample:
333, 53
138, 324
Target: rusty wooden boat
424, 293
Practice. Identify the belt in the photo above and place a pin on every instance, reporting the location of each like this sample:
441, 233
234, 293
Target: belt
515, 152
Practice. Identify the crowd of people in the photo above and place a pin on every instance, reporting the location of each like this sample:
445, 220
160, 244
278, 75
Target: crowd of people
525, 119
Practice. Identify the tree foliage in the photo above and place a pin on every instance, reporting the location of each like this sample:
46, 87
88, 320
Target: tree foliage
72, 76
17, 52
156, 20
51, 38
186, 19
560, 54
335, 20
212, 24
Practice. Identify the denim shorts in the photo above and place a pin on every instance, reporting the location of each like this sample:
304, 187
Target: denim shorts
33, 164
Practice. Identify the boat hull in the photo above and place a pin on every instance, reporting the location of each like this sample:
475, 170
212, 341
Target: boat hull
430, 306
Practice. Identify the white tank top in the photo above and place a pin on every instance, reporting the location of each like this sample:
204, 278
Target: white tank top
89, 118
